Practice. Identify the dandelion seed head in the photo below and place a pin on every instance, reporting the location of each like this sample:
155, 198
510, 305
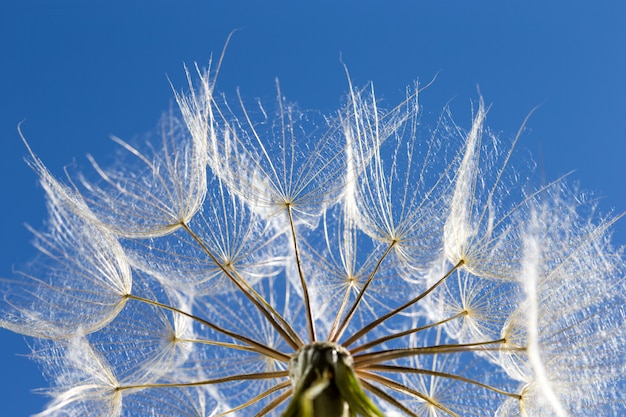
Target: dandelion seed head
261, 259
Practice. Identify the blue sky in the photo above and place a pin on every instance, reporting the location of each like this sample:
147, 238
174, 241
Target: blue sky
80, 71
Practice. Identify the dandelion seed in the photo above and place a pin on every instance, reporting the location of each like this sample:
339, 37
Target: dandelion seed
164, 190
85, 275
572, 318
289, 263
86, 384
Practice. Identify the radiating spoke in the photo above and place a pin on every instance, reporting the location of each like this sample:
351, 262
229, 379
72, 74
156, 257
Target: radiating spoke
305, 291
257, 398
408, 370
366, 329
275, 403
391, 354
391, 384
287, 332
387, 398
334, 337
384, 339
214, 381
257, 347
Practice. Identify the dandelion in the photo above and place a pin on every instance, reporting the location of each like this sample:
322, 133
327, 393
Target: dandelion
289, 263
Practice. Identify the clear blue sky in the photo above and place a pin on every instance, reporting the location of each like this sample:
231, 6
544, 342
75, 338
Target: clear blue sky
78, 71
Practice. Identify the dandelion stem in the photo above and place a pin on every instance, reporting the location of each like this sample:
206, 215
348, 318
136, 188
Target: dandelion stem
305, 291
256, 346
406, 370
259, 302
335, 337
240, 377
381, 319
402, 334
404, 389
391, 354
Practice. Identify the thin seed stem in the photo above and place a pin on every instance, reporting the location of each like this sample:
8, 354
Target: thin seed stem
233, 346
259, 397
389, 383
386, 397
215, 381
292, 338
342, 308
305, 291
335, 337
381, 319
287, 332
407, 370
275, 403
391, 354
402, 334
256, 346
